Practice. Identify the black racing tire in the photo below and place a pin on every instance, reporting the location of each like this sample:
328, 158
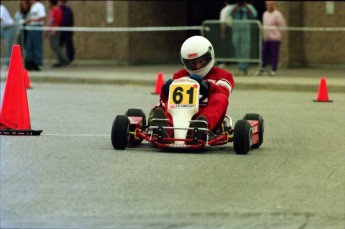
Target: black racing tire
242, 137
138, 113
120, 132
253, 116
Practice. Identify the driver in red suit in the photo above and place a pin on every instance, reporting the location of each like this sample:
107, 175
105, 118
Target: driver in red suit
197, 55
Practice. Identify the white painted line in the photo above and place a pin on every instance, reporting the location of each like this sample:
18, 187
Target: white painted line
77, 135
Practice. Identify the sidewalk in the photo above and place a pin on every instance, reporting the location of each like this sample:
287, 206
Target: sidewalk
295, 79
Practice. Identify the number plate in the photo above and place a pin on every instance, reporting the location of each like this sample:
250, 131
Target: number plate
183, 95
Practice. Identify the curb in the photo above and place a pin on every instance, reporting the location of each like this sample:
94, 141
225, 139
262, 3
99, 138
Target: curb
239, 85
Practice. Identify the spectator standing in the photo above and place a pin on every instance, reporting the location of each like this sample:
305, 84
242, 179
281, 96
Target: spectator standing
272, 37
55, 20
7, 31
66, 39
225, 18
225, 22
20, 17
241, 34
34, 42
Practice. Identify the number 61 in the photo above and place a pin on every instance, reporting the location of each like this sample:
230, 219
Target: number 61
178, 95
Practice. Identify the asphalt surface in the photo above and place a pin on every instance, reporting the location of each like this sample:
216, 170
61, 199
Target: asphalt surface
71, 177
288, 79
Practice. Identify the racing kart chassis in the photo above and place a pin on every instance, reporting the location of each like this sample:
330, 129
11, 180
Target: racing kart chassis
128, 130
182, 105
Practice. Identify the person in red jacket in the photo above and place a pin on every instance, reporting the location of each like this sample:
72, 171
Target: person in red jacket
55, 20
198, 58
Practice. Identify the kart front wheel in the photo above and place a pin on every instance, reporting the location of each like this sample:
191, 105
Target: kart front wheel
120, 132
242, 137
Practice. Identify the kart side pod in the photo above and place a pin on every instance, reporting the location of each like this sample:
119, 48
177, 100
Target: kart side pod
248, 133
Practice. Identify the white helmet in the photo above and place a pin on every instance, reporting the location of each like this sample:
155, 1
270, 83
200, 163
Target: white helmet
197, 49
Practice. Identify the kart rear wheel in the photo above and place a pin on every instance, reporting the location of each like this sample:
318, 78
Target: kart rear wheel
242, 137
120, 132
137, 113
257, 117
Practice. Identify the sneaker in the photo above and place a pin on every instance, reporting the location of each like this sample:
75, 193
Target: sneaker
159, 114
56, 65
259, 72
272, 73
227, 122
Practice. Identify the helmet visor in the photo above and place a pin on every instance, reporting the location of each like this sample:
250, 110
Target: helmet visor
197, 63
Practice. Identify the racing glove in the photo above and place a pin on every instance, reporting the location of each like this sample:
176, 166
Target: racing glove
204, 86
196, 78
166, 87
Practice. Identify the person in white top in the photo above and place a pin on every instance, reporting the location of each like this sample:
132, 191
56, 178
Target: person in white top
225, 17
7, 31
225, 20
19, 18
34, 42
272, 37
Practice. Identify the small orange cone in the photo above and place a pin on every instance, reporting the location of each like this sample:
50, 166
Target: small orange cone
15, 115
27, 79
322, 95
159, 83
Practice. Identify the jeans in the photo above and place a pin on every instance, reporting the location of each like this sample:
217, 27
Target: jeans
7, 34
56, 48
67, 41
241, 40
34, 47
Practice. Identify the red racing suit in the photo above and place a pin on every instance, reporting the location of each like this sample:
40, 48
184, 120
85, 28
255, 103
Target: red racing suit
221, 84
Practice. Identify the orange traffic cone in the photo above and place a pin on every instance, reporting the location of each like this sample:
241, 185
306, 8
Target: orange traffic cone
14, 115
27, 79
322, 95
159, 83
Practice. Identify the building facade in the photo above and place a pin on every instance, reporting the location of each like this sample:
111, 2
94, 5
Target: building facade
299, 48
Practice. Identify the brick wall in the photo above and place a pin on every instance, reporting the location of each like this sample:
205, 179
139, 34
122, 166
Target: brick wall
312, 48
298, 48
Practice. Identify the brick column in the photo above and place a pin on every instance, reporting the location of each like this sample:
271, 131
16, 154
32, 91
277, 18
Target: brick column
295, 39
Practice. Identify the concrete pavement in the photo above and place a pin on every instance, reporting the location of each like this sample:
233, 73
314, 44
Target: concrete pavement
70, 176
287, 79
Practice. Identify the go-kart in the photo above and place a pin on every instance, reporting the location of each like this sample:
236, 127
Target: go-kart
131, 128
